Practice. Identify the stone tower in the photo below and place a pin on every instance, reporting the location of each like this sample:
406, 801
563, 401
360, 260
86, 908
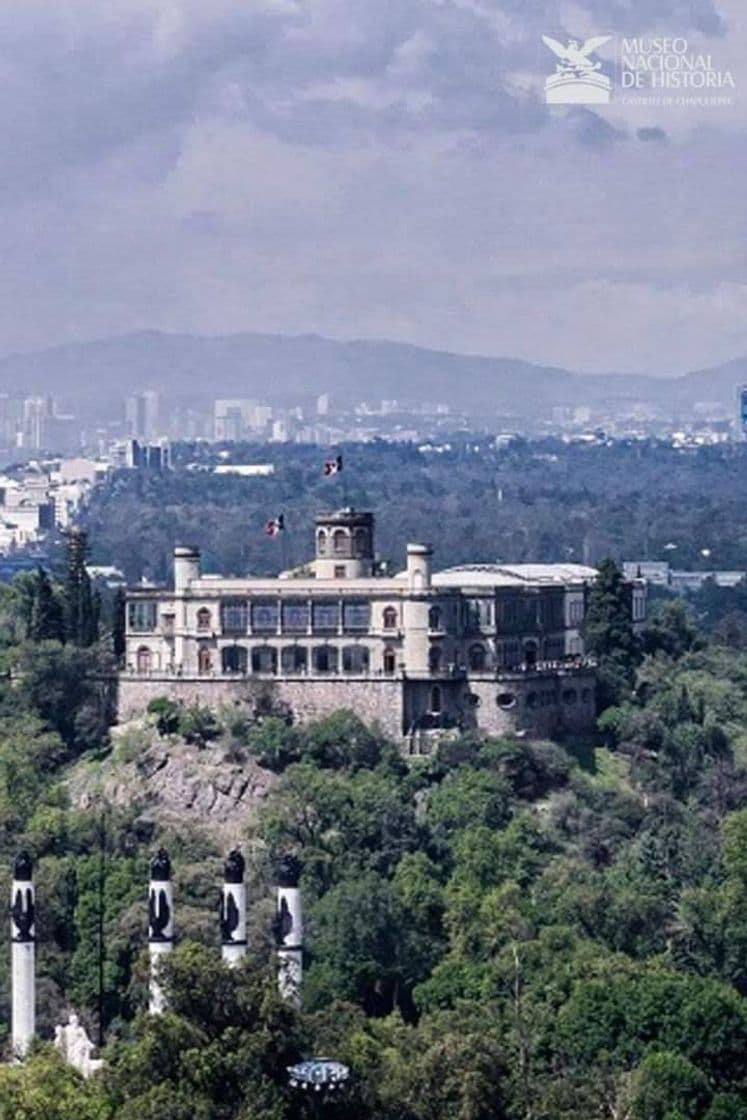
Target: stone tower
344, 545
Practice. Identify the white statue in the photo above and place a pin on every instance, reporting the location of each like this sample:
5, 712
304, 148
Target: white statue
75, 1046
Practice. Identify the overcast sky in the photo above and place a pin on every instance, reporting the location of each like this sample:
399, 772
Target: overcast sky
367, 168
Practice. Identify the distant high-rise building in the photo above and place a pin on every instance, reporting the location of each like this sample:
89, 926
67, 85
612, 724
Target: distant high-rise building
37, 413
742, 416
322, 404
237, 419
142, 414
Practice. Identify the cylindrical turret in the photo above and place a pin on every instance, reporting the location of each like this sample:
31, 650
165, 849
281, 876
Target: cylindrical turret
186, 567
23, 953
289, 931
419, 567
344, 545
416, 608
233, 910
160, 925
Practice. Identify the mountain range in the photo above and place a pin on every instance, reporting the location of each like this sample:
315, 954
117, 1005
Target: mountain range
287, 369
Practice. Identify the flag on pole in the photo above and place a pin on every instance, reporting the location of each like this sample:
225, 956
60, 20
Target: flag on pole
275, 525
332, 466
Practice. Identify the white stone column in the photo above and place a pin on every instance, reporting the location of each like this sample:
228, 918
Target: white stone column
23, 953
233, 910
289, 931
160, 926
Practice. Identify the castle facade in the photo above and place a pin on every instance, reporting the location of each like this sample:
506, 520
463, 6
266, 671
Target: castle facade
491, 647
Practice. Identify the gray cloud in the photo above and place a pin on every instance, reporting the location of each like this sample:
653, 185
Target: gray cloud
362, 168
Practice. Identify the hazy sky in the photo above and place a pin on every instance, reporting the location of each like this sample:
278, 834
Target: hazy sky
368, 168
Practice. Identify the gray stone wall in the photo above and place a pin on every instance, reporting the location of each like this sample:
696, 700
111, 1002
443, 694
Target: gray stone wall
309, 698
542, 704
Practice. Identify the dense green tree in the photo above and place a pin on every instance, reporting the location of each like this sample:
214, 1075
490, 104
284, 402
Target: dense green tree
609, 634
46, 618
82, 606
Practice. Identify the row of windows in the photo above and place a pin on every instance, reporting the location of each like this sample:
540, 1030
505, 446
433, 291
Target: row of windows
339, 542
293, 616
293, 659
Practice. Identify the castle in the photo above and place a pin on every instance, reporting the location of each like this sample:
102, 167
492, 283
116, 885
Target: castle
490, 647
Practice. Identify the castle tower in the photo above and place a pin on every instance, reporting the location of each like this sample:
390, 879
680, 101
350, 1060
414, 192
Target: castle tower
233, 910
160, 925
417, 607
289, 931
344, 545
186, 567
23, 954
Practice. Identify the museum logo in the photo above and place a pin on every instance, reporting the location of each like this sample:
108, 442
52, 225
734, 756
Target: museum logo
578, 79
647, 71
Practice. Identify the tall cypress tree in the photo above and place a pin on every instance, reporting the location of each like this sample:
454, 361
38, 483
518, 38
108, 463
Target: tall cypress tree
81, 621
119, 644
609, 634
45, 621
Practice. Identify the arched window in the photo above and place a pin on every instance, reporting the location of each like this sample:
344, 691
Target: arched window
436, 702
390, 618
233, 659
321, 541
325, 659
434, 658
340, 542
144, 660
204, 660
390, 662
294, 659
355, 659
434, 618
204, 619
264, 659
477, 659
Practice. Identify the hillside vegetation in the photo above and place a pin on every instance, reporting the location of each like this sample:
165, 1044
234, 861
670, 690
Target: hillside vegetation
506, 931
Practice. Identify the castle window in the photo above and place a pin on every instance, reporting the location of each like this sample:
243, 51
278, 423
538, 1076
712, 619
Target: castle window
390, 662
436, 701
356, 615
204, 619
477, 659
340, 542
265, 616
296, 617
505, 700
530, 653
234, 616
204, 661
434, 618
294, 659
264, 659
142, 615
477, 614
321, 541
390, 618
233, 659
510, 654
325, 659
144, 660
355, 659
434, 658
326, 615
